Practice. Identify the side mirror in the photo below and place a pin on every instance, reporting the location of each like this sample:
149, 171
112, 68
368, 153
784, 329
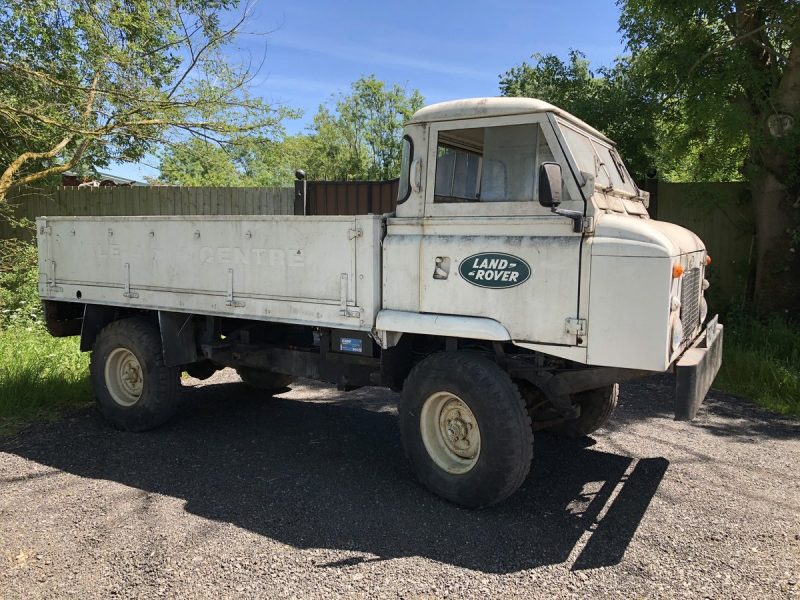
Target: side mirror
550, 184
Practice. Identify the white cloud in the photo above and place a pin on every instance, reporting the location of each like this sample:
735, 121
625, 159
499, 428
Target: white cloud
377, 57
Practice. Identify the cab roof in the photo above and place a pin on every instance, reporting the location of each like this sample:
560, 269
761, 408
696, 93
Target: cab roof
475, 108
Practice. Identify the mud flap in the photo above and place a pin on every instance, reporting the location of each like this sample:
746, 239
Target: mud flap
695, 371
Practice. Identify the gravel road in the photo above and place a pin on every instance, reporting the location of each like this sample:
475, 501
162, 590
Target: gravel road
307, 495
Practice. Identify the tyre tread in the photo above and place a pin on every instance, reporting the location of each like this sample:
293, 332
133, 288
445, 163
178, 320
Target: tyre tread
509, 419
163, 382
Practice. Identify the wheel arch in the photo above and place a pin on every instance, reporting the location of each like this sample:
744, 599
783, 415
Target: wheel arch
177, 331
390, 325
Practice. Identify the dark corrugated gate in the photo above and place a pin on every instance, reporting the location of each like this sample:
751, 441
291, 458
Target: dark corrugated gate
345, 197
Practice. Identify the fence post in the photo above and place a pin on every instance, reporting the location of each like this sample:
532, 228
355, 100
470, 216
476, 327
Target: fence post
300, 193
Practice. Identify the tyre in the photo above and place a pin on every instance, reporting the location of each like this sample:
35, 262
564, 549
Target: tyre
465, 429
133, 388
269, 381
596, 408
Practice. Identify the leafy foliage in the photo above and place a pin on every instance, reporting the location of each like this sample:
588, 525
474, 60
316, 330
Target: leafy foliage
247, 161
614, 100
39, 375
710, 92
726, 76
19, 295
362, 139
716, 71
103, 80
620, 101
358, 138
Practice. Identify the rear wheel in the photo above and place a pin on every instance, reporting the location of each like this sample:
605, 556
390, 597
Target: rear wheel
133, 388
596, 407
269, 381
465, 429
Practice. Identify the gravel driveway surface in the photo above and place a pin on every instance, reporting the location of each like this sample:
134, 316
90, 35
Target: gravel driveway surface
308, 495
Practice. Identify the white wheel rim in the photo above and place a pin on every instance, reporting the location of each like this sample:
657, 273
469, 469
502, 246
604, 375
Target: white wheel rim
124, 377
450, 432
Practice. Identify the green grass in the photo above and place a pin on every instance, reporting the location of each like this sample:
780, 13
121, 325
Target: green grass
40, 376
761, 361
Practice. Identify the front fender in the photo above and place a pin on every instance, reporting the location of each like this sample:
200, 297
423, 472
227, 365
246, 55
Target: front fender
390, 323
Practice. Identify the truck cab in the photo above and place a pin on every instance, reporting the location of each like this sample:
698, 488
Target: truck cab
593, 280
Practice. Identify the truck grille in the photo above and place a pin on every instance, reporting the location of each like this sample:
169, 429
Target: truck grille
690, 299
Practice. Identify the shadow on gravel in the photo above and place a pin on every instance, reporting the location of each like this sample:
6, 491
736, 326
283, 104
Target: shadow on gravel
720, 414
328, 474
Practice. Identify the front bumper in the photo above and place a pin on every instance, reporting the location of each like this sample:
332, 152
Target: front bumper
696, 369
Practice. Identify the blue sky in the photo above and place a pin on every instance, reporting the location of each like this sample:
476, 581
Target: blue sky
446, 50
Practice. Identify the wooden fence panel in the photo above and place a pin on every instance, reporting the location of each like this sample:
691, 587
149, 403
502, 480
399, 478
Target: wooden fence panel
722, 215
141, 200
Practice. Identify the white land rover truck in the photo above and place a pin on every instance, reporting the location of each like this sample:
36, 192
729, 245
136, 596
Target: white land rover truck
518, 281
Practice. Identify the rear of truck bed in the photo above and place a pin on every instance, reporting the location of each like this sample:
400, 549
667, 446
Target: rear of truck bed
321, 271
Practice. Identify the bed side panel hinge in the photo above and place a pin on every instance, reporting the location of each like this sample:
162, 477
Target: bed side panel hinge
576, 326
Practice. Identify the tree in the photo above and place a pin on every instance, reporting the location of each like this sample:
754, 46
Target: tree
359, 139
246, 161
731, 72
619, 101
362, 139
104, 80
198, 162
615, 101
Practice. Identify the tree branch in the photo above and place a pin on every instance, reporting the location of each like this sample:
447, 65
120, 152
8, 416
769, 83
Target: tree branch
211, 42
788, 93
7, 180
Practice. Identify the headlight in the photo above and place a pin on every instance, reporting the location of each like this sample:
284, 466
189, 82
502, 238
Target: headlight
703, 310
677, 334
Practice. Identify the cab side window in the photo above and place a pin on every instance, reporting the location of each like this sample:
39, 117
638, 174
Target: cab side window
490, 164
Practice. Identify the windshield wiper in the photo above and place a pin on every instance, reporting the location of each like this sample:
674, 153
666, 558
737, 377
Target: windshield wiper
618, 164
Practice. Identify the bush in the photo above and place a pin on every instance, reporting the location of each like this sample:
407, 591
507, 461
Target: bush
39, 375
761, 361
19, 296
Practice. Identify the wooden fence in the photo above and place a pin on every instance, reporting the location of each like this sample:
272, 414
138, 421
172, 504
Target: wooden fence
346, 197
720, 213
131, 201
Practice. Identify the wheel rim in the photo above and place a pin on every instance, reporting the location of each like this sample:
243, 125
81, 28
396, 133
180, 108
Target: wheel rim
450, 432
124, 377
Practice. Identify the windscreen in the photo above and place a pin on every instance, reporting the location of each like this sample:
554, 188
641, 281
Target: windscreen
599, 159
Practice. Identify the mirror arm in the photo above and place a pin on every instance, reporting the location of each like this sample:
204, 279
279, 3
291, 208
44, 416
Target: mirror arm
580, 223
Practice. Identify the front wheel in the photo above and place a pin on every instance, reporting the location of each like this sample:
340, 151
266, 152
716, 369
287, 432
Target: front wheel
133, 388
465, 429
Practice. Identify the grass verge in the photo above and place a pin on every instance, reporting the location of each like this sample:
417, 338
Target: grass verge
40, 376
761, 361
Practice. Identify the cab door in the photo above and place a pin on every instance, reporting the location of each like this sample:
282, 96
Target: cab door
489, 249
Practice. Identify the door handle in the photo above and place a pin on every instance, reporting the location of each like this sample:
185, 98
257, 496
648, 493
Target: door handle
442, 268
